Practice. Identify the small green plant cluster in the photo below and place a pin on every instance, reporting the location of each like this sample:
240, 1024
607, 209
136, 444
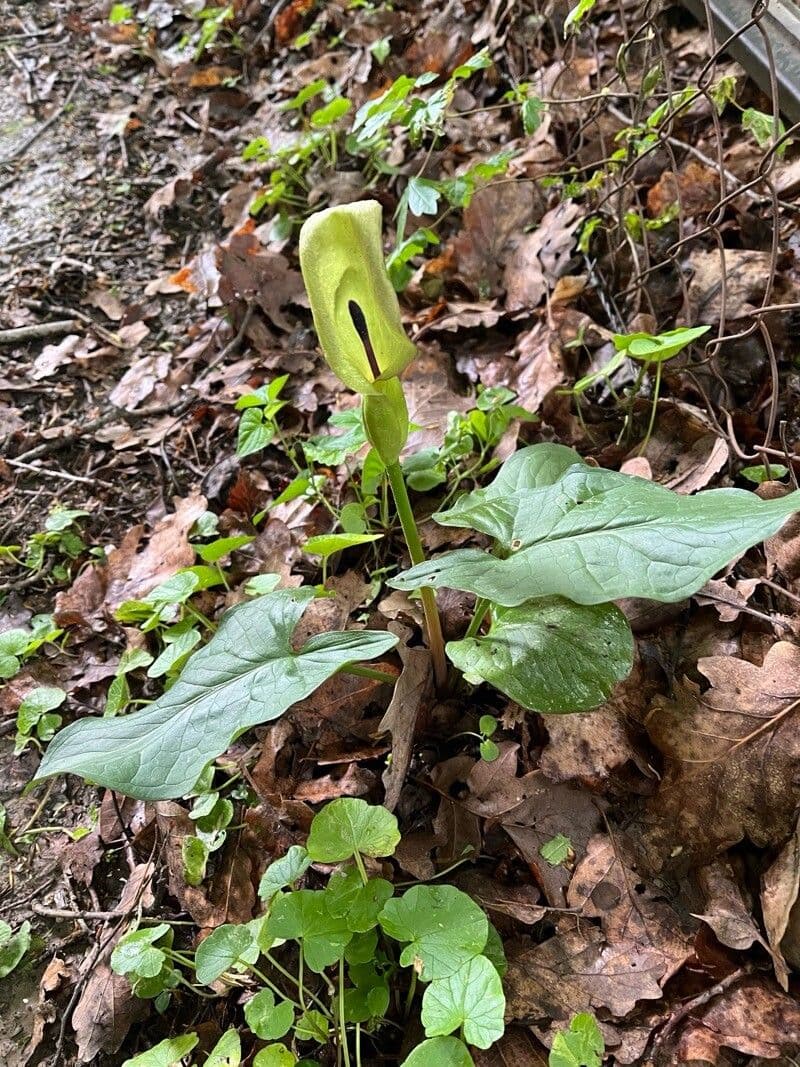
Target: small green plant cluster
20, 643
59, 543
339, 964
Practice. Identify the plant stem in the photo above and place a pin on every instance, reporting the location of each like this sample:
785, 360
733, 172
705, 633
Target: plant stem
361, 868
369, 672
433, 623
342, 1020
654, 409
410, 997
481, 607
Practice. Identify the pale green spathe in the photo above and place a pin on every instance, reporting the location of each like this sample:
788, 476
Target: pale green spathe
341, 257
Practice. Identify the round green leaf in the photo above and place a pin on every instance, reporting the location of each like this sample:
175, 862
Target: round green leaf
526, 650
349, 825
444, 926
267, 1019
471, 998
220, 950
227, 1052
275, 1056
167, 1053
440, 1052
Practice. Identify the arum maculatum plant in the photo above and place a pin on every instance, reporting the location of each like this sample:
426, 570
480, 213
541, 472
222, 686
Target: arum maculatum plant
568, 540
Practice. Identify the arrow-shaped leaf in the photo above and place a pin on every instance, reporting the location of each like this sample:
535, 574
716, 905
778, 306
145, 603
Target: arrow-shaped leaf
550, 655
596, 535
247, 674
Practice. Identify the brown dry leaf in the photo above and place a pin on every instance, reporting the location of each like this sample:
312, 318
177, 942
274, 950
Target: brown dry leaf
431, 397
696, 187
753, 1018
54, 356
779, 905
355, 782
412, 690
578, 971
548, 810
248, 272
684, 452
129, 573
746, 274
533, 370
140, 381
111, 306
608, 885
728, 600
494, 787
727, 910
105, 1012
588, 747
516, 1048
782, 550
495, 215
174, 825
541, 257
731, 755
518, 902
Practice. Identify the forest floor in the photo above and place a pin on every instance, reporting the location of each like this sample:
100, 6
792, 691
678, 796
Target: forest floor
148, 254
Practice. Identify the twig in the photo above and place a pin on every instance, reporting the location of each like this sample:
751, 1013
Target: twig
38, 329
701, 999
66, 913
20, 150
54, 473
234, 343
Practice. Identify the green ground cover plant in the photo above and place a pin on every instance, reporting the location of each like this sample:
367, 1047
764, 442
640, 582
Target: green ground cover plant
568, 539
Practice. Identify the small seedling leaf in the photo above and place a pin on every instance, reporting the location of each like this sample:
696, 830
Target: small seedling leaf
13, 946
580, 1046
556, 850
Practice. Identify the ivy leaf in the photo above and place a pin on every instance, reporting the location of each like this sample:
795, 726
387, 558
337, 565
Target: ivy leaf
284, 871
423, 196
267, 1019
471, 999
526, 649
580, 1046
227, 1052
304, 916
167, 1053
349, 825
440, 1052
13, 946
247, 674
596, 535
255, 432
444, 926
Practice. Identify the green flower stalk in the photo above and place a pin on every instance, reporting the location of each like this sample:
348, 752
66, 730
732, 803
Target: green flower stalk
357, 319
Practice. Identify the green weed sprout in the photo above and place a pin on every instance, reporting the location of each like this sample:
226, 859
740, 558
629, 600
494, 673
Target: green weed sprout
357, 319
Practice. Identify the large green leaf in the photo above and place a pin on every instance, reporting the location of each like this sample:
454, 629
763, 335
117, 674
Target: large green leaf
550, 655
445, 928
348, 825
471, 1000
595, 535
440, 1052
247, 674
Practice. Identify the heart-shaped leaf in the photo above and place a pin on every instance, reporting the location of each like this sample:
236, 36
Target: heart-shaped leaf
267, 1019
303, 916
440, 1052
526, 649
444, 926
221, 950
471, 998
247, 674
349, 825
596, 535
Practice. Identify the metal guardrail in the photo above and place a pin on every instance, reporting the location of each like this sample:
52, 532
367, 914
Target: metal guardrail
765, 38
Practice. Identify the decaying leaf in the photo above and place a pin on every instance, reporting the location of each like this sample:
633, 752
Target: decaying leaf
731, 754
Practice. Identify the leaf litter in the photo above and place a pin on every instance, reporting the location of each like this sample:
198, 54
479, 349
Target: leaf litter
673, 912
